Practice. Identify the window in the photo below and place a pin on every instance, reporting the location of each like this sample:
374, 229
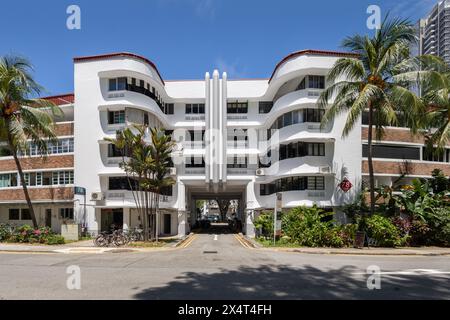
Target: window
8, 180
301, 149
14, 214
297, 116
302, 85
313, 115
62, 177
265, 106
237, 107
433, 155
146, 120
116, 117
122, 183
114, 152
195, 162
26, 214
66, 213
392, 152
316, 82
195, 108
316, 149
316, 183
293, 184
169, 108
237, 162
33, 178
117, 84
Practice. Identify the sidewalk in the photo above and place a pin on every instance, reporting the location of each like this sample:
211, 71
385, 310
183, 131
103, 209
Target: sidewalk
85, 246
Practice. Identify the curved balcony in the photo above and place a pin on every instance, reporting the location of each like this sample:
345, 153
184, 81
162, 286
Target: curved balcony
307, 132
124, 198
309, 165
137, 101
293, 199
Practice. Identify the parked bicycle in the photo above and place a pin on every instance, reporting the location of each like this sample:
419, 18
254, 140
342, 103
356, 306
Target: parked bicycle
117, 238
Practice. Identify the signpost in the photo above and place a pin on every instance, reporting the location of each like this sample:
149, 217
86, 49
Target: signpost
276, 221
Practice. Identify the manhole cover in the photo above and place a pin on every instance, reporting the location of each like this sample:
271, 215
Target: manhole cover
210, 252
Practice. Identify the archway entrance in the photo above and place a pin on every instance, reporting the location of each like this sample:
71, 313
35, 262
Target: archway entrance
217, 213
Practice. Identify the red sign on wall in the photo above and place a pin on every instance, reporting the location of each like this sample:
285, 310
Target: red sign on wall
345, 185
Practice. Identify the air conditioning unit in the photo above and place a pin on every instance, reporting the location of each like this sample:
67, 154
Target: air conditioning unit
96, 196
325, 170
173, 171
260, 172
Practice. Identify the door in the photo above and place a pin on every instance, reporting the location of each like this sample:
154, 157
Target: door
48, 218
167, 224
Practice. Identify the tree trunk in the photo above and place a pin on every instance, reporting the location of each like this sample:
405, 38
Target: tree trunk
145, 216
22, 181
369, 159
157, 217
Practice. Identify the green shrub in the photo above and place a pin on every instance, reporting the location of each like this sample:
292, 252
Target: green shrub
312, 227
6, 232
27, 234
55, 239
384, 231
264, 223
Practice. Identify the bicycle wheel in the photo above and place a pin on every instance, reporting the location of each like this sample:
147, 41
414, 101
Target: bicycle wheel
100, 241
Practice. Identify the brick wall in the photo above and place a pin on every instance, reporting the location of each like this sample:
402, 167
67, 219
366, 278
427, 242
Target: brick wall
392, 167
37, 194
64, 129
63, 161
400, 135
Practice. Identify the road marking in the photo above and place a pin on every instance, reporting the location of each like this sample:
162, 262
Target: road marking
189, 241
243, 243
216, 237
410, 272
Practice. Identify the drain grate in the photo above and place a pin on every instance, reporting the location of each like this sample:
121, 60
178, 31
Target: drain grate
210, 252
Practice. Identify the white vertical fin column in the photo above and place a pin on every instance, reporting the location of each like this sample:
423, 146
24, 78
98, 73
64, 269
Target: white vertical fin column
215, 127
207, 129
224, 129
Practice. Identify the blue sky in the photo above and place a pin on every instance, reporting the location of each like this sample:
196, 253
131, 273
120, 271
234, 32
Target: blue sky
184, 38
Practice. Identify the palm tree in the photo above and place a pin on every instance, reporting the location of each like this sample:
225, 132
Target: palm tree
434, 82
146, 162
161, 148
369, 82
24, 120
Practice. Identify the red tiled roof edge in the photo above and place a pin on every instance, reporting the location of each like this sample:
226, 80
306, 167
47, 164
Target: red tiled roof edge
119, 54
313, 52
61, 99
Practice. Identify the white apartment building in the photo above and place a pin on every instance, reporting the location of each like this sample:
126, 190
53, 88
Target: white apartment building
244, 140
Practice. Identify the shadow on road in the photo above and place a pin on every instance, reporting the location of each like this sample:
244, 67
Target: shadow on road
283, 282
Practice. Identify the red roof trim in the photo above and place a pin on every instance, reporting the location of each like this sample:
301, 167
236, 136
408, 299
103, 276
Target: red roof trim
62, 99
119, 54
312, 52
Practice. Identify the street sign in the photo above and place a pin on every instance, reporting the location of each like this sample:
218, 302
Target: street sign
345, 185
279, 204
79, 191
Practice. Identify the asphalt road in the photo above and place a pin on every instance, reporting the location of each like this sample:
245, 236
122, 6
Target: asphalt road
217, 266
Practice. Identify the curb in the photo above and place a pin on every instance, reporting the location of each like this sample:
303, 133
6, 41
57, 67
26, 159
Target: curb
29, 251
184, 240
333, 252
